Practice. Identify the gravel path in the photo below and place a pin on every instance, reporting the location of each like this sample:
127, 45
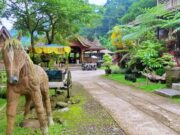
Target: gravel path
95, 120
137, 112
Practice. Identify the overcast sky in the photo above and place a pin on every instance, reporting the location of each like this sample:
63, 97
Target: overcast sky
9, 24
97, 2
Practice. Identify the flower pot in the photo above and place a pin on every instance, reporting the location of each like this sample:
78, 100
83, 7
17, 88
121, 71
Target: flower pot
108, 71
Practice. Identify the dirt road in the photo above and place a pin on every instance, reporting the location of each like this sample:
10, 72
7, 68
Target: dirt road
136, 112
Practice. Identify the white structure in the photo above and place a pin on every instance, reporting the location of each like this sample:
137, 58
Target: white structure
169, 4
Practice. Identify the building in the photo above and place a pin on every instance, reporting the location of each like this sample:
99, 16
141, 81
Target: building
169, 4
80, 46
171, 35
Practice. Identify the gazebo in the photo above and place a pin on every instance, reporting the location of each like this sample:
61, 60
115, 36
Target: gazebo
80, 45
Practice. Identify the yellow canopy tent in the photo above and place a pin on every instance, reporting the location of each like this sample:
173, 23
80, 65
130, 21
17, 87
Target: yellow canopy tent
52, 48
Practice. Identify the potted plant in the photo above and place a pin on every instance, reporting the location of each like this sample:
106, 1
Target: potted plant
107, 63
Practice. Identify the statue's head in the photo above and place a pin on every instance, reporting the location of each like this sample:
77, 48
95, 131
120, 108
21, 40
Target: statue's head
13, 59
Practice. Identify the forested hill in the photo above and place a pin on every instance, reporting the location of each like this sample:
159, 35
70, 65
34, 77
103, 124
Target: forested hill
117, 12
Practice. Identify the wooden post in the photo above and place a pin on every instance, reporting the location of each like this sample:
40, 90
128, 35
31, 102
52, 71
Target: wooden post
82, 56
75, 57
171, 3
157, 2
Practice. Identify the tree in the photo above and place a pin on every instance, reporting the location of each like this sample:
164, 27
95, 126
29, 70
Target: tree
65, 18
148, 51
136, 9
111, 12
50, 17
2, 6
27, 16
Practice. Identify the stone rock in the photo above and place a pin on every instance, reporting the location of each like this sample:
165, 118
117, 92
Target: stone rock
168, 92
61, 105
58, 120
59, 92
76, 101
69, 102
64, 109
30, 124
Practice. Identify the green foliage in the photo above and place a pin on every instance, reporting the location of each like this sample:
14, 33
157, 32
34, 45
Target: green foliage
51, 18
2, 102
136, 9
36, 58
110, 13
2, 6
140, 84
148, 21
65, 18
107, 43
115, 69
172, 20
147, 49
148, 53
107, 60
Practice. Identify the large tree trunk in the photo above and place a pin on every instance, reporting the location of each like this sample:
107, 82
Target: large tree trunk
32, 43
51, 33
48, 37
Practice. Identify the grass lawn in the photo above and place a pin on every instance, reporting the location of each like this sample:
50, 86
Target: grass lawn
141, 83
2, 102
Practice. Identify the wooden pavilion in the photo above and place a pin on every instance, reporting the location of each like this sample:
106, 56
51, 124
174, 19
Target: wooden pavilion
80, 45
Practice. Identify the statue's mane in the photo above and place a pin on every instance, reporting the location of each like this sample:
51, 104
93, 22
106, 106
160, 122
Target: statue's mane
14, 43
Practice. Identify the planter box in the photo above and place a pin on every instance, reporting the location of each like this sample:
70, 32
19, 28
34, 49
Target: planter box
55, 75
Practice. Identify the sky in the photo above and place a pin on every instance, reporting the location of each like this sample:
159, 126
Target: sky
9, 24
97, 2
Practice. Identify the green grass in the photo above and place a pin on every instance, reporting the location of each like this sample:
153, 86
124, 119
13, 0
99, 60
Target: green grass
2, 102
141, 83
71, 119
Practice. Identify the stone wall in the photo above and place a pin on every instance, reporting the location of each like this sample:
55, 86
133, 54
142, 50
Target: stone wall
172, 76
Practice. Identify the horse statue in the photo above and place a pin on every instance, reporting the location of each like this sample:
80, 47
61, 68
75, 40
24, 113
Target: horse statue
25, 78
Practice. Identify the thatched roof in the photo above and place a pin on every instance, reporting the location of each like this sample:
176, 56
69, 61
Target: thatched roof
88, 45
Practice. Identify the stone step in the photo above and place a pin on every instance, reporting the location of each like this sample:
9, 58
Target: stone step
176, 86
168, 92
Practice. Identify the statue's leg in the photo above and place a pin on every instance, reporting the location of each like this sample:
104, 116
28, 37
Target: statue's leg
37, 99
47, 103
12, 102
27, 105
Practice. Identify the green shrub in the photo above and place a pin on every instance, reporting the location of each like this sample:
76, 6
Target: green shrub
160, 71
115, 69
107, 60
36, 58
51, 64
2, 92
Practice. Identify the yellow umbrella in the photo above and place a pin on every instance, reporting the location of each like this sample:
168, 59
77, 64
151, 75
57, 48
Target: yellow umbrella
47, 49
